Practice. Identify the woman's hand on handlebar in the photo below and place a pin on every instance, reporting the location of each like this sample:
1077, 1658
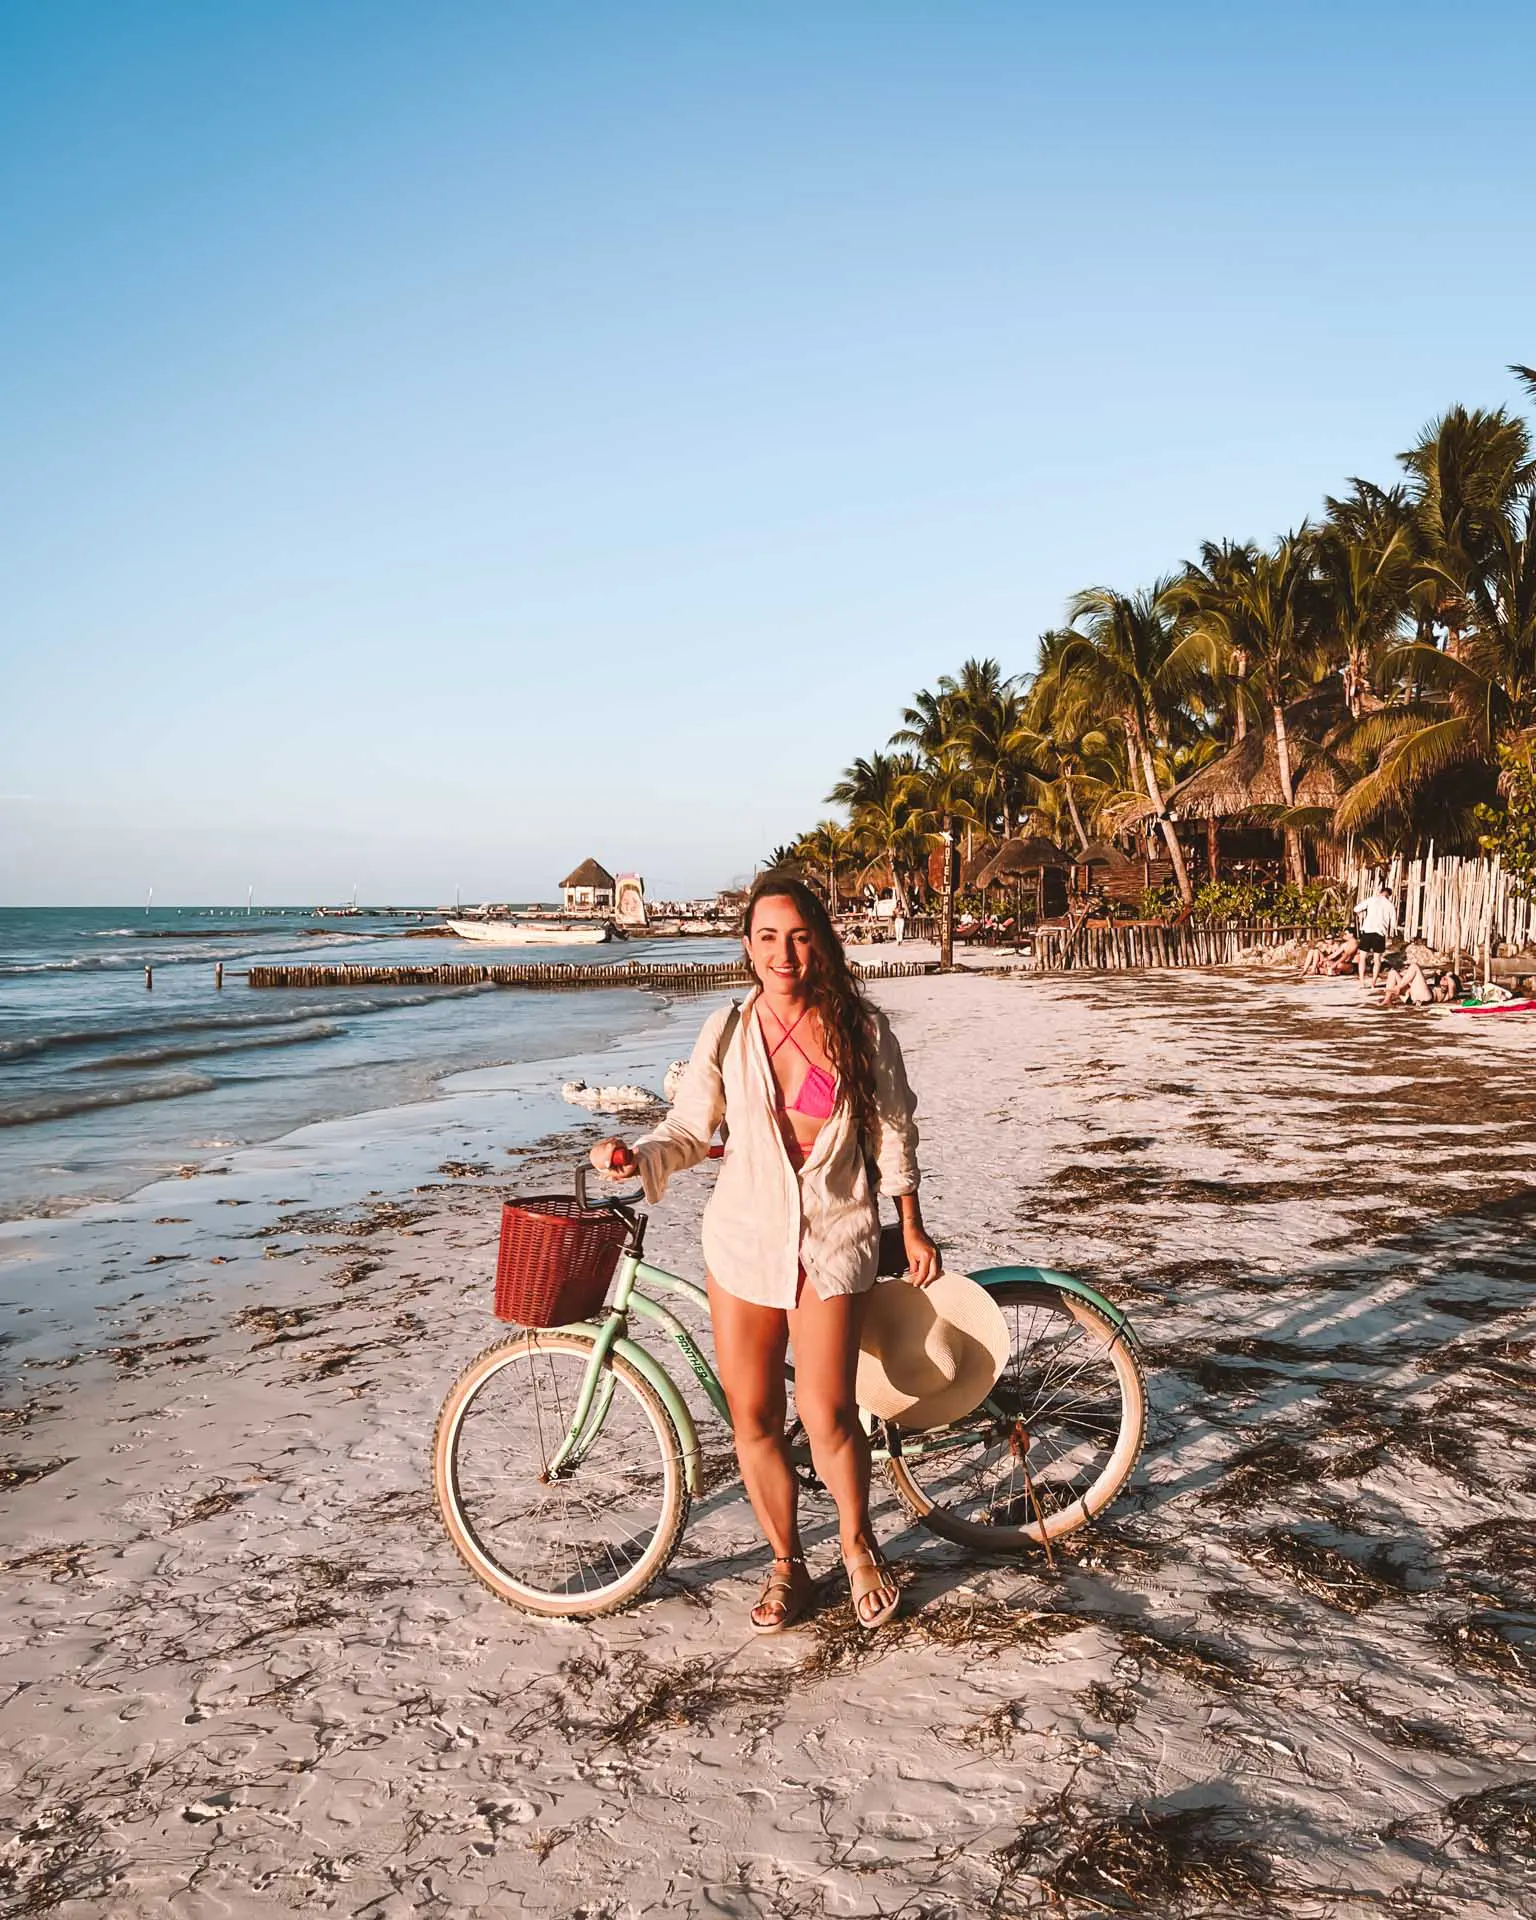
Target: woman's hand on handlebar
615, 1158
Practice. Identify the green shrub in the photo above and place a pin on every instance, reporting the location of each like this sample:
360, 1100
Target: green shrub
1509, 828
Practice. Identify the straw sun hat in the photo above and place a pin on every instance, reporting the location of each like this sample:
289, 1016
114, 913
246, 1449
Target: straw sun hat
930, 1354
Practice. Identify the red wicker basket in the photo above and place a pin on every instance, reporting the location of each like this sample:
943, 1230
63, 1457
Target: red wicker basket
555, 1261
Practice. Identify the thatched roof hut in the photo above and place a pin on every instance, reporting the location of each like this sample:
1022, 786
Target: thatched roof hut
1017, 857
589, 874
1104, 868
1244, 784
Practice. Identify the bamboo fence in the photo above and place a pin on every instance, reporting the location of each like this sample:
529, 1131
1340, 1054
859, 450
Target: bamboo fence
681, 977
1455, 905
1121, 945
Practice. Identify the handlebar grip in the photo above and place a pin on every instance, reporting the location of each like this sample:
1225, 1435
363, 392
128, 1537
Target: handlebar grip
583, 1168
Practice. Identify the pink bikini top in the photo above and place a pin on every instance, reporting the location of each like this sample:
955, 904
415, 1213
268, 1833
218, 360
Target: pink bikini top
818, 1090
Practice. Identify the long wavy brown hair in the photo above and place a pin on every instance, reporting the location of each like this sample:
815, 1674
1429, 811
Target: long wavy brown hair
834, 993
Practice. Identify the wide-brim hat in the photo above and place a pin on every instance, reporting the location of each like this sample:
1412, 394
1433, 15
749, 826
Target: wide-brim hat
929, 1355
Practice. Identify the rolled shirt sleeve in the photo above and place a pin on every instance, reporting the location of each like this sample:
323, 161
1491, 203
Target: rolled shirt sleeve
682, 1139
895, 1142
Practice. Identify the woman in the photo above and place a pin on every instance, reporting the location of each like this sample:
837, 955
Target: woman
809, 1080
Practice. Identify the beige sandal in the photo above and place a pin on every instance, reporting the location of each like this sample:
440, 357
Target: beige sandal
783, 1591
868, 1574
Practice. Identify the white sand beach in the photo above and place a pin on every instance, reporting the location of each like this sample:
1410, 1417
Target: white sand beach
242, 1673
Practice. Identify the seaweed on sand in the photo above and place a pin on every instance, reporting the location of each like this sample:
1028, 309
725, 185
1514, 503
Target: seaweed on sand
1322, 1572
1255, 1609
1497, 1554
1183, 1862
1267, 1470
1188, 1656
1500, 1821
207, 1507
629, 1701
1499, 1646
279, 1324
958, 1626
1428, 1736
20, 1473
58, 1856
1115, 1706
62, 1562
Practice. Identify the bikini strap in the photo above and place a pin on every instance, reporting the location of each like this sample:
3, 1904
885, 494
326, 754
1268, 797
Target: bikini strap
788, 1033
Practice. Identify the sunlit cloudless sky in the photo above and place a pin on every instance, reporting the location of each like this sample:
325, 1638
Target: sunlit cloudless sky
439, 443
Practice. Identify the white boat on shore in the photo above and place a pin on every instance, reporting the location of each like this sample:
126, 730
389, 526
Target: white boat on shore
519, 933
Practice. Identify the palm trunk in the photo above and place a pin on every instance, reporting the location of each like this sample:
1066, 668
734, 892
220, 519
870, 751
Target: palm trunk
947, 906
1077, 818
1239, 709
1213, 847
1142, 751
896, 887
1295, 858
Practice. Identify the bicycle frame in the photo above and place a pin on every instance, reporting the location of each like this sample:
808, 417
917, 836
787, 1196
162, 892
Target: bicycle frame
612, 1332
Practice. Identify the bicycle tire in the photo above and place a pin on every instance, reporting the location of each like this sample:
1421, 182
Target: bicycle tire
1048, 1508
489, 1547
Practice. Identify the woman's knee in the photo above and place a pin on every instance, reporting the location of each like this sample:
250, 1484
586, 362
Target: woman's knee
757, 1425
827, 1418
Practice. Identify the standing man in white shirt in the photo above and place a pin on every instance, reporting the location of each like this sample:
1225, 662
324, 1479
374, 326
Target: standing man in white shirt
1378, 923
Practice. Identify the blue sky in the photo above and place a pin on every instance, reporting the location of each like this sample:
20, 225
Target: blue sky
442, 442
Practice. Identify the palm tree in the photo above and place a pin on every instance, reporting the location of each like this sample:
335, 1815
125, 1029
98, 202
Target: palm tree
1466, 471
1210, 592
1131, 658
1079, 766
1265, 607
1459, 707
878, 792
1365, 557
946, 787
828, 846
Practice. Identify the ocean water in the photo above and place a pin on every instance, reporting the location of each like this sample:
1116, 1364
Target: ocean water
105, 1085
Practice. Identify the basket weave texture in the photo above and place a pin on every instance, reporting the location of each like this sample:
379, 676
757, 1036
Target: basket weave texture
555, 1260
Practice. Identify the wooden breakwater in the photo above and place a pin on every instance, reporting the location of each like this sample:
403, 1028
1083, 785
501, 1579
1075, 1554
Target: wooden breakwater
676, 977
1120, 945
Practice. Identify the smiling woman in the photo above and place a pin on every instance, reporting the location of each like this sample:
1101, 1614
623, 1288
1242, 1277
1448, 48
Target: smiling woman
809, 1083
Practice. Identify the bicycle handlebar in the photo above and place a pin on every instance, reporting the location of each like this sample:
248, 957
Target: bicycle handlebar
620, 1202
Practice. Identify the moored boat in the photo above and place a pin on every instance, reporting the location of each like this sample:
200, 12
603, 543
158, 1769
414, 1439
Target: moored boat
521, 933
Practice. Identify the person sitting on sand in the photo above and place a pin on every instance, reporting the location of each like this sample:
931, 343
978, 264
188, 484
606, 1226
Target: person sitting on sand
1332, 956
810, 1081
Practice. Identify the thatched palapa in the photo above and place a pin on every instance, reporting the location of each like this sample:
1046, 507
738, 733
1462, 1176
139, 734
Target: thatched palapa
1016, 858
1244, 784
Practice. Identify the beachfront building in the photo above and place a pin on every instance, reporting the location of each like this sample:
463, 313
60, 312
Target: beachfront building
1239, 799
589, 889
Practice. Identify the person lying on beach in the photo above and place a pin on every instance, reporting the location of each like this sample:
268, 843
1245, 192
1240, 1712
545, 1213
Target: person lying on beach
810, 1082
1411, 986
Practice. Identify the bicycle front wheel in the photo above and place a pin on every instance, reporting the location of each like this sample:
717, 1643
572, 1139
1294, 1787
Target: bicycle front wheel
1052, 1444
572, 1540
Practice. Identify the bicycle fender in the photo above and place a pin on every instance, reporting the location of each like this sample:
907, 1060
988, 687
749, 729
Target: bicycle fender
657, 1376
1067, 1283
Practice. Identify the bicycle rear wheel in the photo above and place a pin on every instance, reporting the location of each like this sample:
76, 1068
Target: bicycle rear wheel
1050, 1447
581, 1540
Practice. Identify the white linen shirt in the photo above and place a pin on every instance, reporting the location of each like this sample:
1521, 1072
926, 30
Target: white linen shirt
763, 1223
1378, 915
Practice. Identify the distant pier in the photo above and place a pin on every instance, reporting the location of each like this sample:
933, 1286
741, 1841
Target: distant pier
677, 977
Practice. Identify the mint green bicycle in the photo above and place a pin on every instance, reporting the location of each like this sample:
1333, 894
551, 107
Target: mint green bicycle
565, 1458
